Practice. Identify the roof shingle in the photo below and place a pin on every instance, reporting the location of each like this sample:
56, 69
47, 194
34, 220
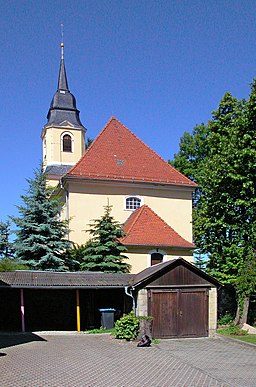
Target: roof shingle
117, 154
44, 279
145, 227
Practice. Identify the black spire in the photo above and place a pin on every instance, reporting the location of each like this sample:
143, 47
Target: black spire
63, 82
63, 106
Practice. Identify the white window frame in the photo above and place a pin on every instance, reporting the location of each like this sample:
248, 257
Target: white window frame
132, 196
72, 142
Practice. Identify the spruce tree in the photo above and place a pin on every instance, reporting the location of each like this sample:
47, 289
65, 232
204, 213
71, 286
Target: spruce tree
41, 235
6, 247
104, 251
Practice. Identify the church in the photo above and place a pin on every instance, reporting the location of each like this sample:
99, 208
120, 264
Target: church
153, 203
151, 199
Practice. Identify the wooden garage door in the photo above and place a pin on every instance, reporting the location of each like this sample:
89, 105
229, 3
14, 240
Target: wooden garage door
179, 313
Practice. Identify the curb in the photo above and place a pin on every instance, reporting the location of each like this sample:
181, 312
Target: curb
227, 338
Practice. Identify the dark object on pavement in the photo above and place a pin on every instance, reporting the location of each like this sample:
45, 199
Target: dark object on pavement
144, 342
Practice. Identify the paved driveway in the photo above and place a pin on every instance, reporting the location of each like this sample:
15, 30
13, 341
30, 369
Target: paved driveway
100, 360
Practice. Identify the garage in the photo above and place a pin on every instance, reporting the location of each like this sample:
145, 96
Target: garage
181, 299
179, 313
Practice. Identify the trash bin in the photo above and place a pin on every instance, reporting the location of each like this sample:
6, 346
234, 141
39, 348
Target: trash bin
107, 317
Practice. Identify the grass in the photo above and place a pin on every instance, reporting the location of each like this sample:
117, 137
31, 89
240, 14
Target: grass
100, 330
247, 338
234, 332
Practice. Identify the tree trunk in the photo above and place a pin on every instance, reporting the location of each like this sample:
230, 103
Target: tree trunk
243, 318
237, 318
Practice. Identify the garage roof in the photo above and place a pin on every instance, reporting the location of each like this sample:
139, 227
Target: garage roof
66, 280
46, 279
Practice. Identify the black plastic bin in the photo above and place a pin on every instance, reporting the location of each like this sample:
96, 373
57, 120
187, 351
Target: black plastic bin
107, 318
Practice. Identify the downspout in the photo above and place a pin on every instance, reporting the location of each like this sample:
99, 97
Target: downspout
130, 295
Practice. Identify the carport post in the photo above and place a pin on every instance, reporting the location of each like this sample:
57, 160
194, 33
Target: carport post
77, 311
22, 310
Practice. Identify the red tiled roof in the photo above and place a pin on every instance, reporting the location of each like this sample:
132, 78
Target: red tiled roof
117, 154
145, 227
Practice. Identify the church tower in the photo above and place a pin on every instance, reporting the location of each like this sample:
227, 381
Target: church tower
63, 135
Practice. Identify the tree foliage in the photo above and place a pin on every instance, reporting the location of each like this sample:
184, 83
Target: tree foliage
11, 264
104, 251
6, 247
220, 157
41, 235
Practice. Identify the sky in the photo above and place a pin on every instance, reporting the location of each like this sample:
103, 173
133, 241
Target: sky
159, 66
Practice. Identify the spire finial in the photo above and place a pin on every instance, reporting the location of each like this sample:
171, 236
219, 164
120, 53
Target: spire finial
62, 40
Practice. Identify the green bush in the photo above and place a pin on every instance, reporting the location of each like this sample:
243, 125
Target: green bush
10, 264
127, 327
146, 318
233, 330
226, 319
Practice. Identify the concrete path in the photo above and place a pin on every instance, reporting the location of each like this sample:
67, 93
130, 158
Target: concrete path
100, 360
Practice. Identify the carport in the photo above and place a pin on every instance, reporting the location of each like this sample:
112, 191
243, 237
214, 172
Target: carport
35, 301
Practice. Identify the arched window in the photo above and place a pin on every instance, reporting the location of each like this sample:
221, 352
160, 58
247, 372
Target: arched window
132, 203
67, 143
156, 258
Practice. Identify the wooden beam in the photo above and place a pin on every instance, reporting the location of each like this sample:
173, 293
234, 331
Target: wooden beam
77, 311
22, 310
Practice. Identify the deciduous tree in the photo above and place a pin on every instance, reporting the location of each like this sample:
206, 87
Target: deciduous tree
224, 209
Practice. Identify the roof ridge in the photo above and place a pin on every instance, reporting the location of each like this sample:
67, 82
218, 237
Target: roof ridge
169, 175
161, 158
168, 228
159, 217
88, 150
140, 210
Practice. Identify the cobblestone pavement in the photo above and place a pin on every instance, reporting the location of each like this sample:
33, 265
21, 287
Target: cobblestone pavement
100, 360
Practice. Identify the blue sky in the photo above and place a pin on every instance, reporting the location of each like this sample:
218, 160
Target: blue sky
159, 66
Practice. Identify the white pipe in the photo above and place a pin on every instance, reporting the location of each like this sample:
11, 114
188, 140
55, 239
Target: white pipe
130, 295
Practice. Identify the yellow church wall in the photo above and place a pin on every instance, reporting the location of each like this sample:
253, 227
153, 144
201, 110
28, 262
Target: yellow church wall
139, 257
52, 146
86, 202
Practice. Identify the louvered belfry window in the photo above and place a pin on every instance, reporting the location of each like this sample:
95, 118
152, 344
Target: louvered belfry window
67, 143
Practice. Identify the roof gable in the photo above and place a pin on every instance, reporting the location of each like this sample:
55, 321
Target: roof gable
145, 227
175, 272
117, 154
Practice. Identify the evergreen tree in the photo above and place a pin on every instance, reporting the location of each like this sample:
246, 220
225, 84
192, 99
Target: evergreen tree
41, 236
224, 209
88, 142
104, 251
6, 247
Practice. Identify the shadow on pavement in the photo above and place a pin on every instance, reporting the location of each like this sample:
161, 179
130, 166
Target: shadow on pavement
11, 339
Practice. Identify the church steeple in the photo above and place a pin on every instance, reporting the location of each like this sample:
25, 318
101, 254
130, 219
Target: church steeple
63, 106
63, 81
63, 134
